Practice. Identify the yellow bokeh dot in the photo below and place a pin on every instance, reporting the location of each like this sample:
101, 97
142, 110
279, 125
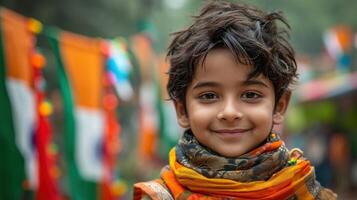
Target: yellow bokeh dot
34, 25
119, 188
45, 108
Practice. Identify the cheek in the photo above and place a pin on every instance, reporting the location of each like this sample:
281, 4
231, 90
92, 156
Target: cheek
262, 114
200, 114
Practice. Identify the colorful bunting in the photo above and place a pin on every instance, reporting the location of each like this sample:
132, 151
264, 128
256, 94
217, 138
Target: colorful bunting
158, 130
29, 128
111, 141
328, 87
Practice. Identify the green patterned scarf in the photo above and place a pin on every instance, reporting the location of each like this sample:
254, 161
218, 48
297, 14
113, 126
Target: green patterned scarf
245, 168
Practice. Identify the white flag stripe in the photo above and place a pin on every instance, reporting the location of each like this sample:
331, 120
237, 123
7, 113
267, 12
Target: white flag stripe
333, 46
23, 107
89, 143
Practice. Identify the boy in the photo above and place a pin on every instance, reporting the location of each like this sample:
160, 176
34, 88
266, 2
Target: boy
229, 80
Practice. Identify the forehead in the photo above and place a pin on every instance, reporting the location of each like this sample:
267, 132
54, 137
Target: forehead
222, 64
220, 57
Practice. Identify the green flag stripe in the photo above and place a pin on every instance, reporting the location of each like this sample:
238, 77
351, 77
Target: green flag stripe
79, 188
12, 167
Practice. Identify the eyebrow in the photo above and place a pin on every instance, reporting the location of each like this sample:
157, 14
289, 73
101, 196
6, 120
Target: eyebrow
205, 84
214, 84
255, 82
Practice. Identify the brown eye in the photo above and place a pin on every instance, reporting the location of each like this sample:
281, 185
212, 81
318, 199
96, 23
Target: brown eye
208, 96
251, 96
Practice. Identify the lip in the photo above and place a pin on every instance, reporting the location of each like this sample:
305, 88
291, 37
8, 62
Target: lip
231, 131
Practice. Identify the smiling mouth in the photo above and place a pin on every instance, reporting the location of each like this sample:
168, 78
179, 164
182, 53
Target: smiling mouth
231, 131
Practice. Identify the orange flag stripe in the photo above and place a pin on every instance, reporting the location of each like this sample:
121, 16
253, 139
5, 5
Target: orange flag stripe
84, 64
145, 55
17, 41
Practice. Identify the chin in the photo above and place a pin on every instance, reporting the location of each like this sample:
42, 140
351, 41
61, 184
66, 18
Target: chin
231, 154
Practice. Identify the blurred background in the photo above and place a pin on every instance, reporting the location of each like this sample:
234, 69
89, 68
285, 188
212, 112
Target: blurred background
93, 130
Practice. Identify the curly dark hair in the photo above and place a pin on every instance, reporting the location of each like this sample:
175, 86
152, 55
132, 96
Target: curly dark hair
251, 35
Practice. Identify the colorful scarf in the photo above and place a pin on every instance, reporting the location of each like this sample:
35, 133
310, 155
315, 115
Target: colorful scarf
256, 165
267, 172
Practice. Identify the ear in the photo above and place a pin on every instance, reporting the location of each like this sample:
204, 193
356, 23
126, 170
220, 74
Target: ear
281, 107
181, 114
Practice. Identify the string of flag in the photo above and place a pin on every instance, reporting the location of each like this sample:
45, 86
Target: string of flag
94, 77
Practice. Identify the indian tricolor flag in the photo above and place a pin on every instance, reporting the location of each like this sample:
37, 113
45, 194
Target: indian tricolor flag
17, 107
81, 70
148, 118
338, 40
25, 130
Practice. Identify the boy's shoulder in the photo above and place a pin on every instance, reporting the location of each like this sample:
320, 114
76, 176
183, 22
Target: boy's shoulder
154, 189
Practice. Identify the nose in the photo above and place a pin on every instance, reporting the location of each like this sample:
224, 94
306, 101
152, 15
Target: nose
230, 111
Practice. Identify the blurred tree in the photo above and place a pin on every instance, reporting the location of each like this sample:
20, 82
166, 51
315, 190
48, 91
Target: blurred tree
308, 19
110, 18
104, 18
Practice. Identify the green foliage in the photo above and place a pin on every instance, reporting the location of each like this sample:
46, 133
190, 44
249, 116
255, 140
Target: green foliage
306, 115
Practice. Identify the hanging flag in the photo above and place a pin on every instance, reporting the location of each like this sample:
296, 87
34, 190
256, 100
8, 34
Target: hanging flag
148, 135
159, 130
145, 55
339, 43
169, 129
81, 66
16, 124
148, 122
24, 85
111, 141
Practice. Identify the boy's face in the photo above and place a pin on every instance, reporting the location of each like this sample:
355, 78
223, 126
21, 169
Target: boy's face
227, 112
